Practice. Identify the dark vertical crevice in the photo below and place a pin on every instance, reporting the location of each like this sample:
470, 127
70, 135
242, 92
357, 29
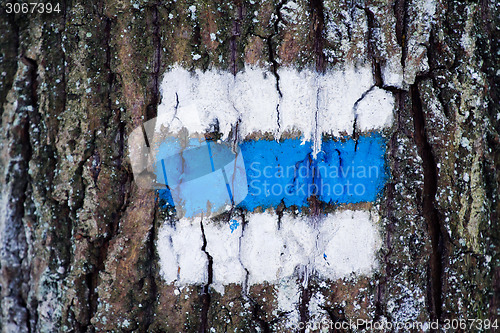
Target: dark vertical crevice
33, 82
24, 275
205, 296
92, 276
317, 9
278, 119
305, 298
371, 48
399, 14
370, 20
355, 134
272, 53
63, 97
316, 113
244, 222
235, 34
314, 203
22, 199
256, 310
402, 23
280, 209
62, 94
272, 56
63, 53
102, 249
380, 310
429, 210
488, 48
152, 111
377, 73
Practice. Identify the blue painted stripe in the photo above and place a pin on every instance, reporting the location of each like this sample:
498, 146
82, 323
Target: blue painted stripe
345, 171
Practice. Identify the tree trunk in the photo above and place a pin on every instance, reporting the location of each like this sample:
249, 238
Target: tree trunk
79, 238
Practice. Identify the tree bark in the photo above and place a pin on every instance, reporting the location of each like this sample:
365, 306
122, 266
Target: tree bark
77, 235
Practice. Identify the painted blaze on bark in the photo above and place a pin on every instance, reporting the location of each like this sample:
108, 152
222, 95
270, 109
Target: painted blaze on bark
290, 255
84, 256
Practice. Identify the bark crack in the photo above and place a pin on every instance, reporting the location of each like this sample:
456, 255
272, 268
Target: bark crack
256, 309
430, 212
355, 132
247, 273
151, 113
317, 136
272, 55
400, 15
392, 220
16, 276
205, 296
376, 69
236, 32
318, 22
305, 298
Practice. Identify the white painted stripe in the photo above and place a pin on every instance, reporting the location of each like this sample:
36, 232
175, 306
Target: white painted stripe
311, 103
333, 246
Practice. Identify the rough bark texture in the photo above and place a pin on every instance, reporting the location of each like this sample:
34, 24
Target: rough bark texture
77, 236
